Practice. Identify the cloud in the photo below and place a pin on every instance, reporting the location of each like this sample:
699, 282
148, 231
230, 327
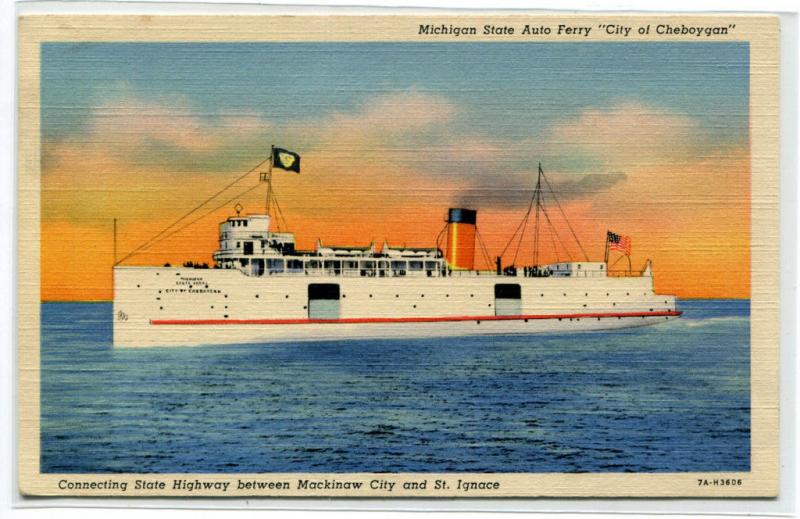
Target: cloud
628, 133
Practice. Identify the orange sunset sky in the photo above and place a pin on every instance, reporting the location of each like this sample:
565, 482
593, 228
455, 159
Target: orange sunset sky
648, 140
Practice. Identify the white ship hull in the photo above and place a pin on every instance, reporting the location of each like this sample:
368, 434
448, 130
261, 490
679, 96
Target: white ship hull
156, 306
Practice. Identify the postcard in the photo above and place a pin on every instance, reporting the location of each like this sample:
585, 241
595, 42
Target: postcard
432, 255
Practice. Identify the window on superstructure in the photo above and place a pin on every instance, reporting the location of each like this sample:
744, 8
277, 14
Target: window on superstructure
415, 265
367, 268
294, 265
399, 268
274, 266
244, 223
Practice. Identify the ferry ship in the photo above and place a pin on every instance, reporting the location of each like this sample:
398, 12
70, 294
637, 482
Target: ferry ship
262, 288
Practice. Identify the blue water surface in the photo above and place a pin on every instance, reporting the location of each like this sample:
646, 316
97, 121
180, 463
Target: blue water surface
668, 398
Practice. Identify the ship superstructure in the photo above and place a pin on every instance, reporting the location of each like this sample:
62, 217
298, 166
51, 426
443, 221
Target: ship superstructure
262, 288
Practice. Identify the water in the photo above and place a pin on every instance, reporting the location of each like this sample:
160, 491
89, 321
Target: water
668, 398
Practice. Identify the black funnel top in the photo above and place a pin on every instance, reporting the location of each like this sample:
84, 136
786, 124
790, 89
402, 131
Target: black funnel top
468, 216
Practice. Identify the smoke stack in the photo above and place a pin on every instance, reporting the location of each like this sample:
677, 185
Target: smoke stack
461, 239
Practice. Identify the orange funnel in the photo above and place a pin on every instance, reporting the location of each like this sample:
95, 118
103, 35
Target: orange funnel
461, 239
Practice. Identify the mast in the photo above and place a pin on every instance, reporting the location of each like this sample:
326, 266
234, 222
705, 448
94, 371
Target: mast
267, 177
538, 197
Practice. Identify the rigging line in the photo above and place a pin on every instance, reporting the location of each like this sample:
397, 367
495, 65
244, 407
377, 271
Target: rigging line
280, 212
565, 216
192, 222
176, 231
609, 267
527, 214
555, 231
279, 216
483, 249
552, 239
521, 236
173, 224
439, 237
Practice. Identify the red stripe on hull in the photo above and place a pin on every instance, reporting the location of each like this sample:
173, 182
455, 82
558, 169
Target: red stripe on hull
362, 320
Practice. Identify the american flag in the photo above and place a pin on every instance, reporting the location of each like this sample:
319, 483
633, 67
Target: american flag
619, 242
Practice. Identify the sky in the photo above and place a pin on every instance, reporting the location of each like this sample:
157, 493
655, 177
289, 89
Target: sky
649, 140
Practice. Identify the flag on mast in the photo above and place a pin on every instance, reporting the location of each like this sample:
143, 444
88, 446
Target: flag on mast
619, 242
285, 159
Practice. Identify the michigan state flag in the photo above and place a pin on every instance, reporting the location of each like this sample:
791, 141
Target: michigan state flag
285, 159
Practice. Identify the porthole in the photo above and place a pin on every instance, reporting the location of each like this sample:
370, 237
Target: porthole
370, 295
472, 295
397, 295
542, 295
256, 296
226, 316
527, 320
586, 294
140, 286
422, 295
160, 307
414, 306
287, 296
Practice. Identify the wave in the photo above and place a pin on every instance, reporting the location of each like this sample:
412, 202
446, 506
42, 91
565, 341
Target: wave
711, 321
